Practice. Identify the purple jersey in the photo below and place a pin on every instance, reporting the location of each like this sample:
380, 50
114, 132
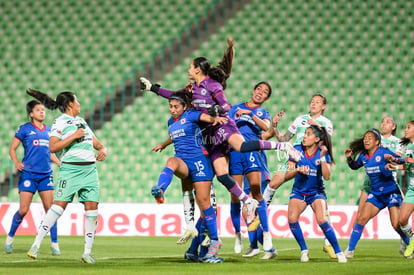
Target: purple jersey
36, 147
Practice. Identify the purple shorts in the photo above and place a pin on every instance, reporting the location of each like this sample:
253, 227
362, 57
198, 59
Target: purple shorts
215, 139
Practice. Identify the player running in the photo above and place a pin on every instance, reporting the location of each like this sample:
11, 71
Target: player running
35, 170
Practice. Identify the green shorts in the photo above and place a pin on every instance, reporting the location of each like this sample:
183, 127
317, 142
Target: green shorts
366, 187
80, 179
409, 196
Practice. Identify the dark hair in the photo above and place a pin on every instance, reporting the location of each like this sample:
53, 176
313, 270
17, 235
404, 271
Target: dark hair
324, 100
404, 141
183, 97
222, 71
323, 135
268, 86
61, 102
357, 145
30, 106
395, 124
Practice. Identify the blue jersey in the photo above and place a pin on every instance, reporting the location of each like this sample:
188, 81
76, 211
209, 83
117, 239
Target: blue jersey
382, 180
36, 147
245, 123
186, 135
312, 182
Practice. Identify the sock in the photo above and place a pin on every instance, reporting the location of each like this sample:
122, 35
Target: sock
297, 233
262, 213
201, 237
165, 178
329, 233
253, 239
235, 210
188, 202
233, 187
211, 222
54, 233
355, 236
403, 236
52, 215
91, 218
268, 194
328, 218
407, 229
213, 200
17, 220
259, 234
195, 243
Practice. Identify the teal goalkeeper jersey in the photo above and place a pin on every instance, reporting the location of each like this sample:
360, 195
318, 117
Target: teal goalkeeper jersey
81, 150
300, 125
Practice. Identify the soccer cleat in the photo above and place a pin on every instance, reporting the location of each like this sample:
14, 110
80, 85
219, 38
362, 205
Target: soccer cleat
267, 241
211, 259
250, 208
292, 152
408, 253
87, 259
191, 256
206, 241
403, 247
269, 254
238, 243
254, 225
304, 256
55, 249
349, 254
158, 194
8, 245
327, 248
251, 252
32, 253
341, 257
188, 235
214, 247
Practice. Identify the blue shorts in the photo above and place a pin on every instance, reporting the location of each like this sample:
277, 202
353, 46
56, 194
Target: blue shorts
309, 199
390, 199
244, 163
199, 169
32, 182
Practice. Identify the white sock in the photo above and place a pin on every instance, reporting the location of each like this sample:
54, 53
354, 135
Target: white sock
188, 202
407, 230
52, 215
213, 199
268, 194
91, 218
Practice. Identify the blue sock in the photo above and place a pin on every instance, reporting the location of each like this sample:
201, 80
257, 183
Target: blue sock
253, 239
211, 222
201, 237
355, 236
330, 235
54, 233
262, 212
195, 243
259, 234
165, 178
17, 220
403, 236
297, 233
235, 210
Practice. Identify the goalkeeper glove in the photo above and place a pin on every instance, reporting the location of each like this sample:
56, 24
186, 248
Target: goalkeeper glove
146, 85
215, 110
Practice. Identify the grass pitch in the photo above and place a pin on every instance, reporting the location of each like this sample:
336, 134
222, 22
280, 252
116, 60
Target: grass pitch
160, 255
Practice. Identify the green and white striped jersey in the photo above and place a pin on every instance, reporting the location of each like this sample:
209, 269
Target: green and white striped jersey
392, 143
300, 125
409, 152
80, 150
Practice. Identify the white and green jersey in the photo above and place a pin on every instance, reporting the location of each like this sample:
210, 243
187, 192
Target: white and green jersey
409, 152
392, 143
300, 125
81, 150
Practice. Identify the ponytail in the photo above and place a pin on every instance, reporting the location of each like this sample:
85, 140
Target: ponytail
61, 102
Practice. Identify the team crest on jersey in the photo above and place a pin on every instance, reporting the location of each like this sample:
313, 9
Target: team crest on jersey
26, 183
318, 161
36, 142
203, 92
259, 113
182, 121
378, 158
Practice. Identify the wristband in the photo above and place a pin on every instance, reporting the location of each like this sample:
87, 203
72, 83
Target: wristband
323, 159
251, 114
349, 159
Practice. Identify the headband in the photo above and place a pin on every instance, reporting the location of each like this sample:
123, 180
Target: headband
178, 98
376, 133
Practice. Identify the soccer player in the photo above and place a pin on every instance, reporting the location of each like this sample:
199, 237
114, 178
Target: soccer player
317, 107
251, 119
384, 190
77, 174
190, 162
407, 207
35, 170
308, 187
207, 92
